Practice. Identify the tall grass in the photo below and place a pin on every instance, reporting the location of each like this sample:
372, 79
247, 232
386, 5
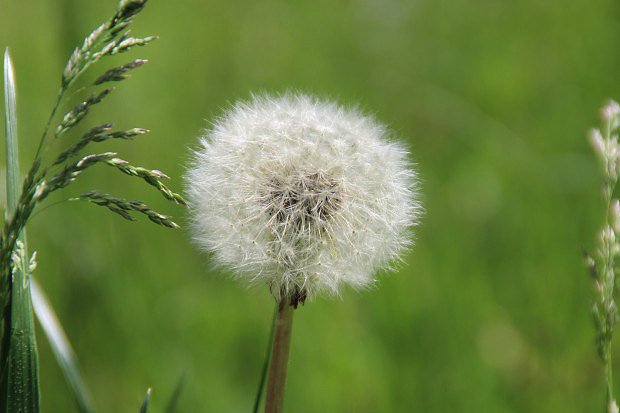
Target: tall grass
603, 264
19, 384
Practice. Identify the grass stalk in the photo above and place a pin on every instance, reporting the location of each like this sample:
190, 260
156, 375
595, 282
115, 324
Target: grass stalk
279, 357
603, 265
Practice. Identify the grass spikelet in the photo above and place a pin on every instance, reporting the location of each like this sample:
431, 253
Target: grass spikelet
80, 111
119, 73
124, 207
151, 176
99, 133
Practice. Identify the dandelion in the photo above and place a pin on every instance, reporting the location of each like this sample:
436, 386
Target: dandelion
304, 196
301, 194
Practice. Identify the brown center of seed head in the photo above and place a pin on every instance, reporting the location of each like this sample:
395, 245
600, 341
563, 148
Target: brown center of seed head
302, 200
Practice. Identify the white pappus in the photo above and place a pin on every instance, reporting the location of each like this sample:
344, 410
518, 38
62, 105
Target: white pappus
301, 194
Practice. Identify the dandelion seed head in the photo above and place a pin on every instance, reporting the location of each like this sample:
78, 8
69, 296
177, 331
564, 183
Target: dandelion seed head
301, 194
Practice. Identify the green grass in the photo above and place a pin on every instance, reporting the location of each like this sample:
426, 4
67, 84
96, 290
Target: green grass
491, 312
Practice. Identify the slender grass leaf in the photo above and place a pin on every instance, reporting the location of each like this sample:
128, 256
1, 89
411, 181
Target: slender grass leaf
61, 347
263, 374
12, 162
23, 365
145, 404
171, 406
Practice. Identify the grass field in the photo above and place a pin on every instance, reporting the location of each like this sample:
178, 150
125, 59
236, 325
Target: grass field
490, 312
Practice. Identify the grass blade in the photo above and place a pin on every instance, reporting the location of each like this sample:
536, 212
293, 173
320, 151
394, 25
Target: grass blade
61, 347
145, 404
13, 177
22, 393
171, 407
263, 374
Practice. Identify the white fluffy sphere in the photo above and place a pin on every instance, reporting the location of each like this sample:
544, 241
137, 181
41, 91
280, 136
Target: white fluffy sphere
301, 194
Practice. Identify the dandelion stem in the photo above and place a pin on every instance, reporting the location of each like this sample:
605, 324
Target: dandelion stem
279, 357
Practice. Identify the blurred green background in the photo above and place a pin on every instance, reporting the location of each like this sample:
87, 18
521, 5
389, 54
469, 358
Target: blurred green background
491, 311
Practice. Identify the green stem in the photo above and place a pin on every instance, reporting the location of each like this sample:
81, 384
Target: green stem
61, 92
609, 377
279, 357
608, 275
263, 375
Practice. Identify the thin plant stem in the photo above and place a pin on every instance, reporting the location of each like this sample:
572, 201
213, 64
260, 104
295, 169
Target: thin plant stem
608, 267
263, 374
43, 209
279, 357
609, 377
61, 93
